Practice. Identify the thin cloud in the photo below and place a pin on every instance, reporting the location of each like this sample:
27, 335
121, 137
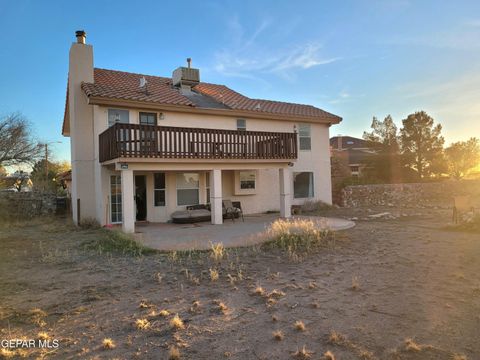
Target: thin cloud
249, 55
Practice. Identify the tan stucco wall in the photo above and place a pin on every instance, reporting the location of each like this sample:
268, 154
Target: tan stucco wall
81, 129
95, 177
267, 195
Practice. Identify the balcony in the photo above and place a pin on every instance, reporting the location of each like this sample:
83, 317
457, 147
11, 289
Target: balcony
168, 142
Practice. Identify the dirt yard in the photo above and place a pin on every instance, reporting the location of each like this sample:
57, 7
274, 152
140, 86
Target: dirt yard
387, 289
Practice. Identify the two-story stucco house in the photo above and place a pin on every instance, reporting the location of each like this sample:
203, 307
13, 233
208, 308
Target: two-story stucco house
143, 146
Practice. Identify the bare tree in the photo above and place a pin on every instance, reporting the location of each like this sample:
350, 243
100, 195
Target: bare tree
17, 145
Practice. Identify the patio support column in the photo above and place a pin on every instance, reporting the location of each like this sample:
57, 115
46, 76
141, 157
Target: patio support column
285, 175
216, 196
128, 207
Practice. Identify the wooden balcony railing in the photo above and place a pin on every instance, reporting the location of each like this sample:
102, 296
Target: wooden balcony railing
149, 141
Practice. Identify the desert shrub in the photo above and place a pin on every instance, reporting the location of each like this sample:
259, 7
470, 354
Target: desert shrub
298, 235
115, 241
315, 206
89, 223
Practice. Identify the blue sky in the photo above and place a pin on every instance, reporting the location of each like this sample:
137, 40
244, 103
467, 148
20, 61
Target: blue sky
357, 59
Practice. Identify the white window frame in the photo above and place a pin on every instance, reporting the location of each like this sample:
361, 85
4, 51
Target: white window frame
164, 189
241, 124
117, 184
207, 187
188, 188
238, 188
311, 185
305, 132
111, 123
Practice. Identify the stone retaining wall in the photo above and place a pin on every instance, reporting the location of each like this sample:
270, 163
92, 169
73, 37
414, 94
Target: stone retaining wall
418, 195
26, 204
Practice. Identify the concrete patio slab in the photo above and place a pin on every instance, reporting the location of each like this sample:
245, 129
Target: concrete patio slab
200, 236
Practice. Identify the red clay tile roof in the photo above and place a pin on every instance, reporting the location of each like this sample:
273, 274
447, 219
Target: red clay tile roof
123, 85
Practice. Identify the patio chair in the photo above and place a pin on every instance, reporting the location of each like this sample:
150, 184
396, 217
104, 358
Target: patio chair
461, 204
232, 210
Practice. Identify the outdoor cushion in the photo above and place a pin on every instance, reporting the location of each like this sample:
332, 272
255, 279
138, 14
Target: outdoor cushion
191, 216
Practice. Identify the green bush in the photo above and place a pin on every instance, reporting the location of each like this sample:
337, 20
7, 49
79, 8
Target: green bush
115, 241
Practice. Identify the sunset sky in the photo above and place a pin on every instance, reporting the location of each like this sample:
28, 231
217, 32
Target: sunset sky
357, 59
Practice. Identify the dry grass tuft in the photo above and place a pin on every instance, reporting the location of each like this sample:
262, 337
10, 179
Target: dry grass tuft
7, 354
108, 344
355, 283
259, 291
297, 236
37, 317
303, 353
411, 345
163, 313
176, 323
276, 294
459, 357
218, 251
174, 353
142, 324
341, 340
213, 275
144, 304
195, 306
328, 356
42, 335
222, 307
278, 335
299, 325
336, 338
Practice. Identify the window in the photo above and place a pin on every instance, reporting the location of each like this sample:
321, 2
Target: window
117, 116
207, 186
247, 179
187, 189
159, 189
304, 136
148, 118
241, 124
302, 185
116, 199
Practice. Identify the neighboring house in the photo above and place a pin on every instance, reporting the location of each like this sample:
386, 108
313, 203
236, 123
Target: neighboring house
144, 146
353, 151
18, 181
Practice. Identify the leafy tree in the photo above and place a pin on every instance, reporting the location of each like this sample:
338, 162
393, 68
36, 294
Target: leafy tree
462, 157
421, 143
38, 174
17, 145
384, 164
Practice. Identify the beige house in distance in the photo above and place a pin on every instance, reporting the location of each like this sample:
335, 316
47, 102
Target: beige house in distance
143, 147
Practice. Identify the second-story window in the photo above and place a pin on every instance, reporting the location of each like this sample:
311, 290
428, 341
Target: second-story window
117, 116
241, 124
148, 118
304, 136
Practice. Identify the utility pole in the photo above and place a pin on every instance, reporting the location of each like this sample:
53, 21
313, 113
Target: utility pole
46, 160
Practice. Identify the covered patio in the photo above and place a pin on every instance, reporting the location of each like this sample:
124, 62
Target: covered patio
200, 236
